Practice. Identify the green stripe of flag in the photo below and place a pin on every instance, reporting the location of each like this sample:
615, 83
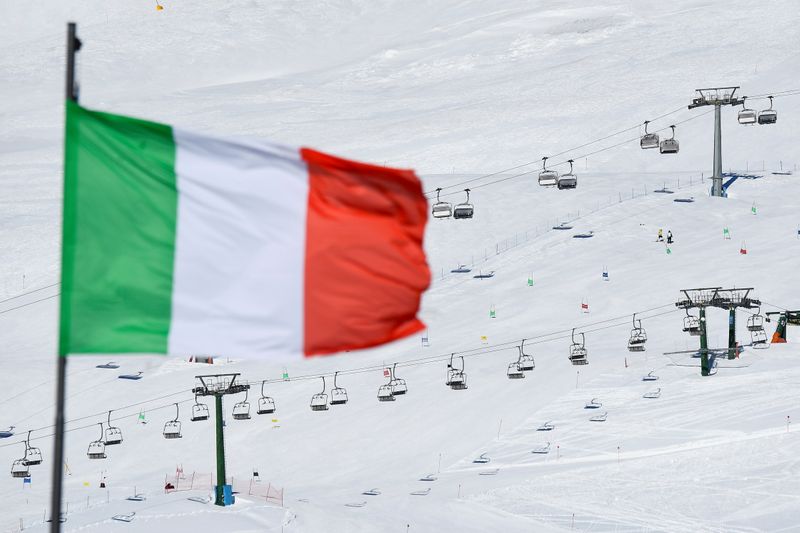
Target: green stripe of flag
120, 212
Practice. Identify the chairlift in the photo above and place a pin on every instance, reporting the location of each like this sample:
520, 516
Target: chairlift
526, 359
371, 492
464, 210
638, 336
110, 364
648, 140
172, 429
33, 455
385, 393
651, 376
319, 402
19, 468
127, 517
398, 384
652, 394
568, 180
758, 339
547, 178
456, 378
97, 448
599, 418
482, 459
755, 322
669, 146
547, 426
441, 209
266, 405
241, 410
515, 370
338, 394
132, 377
593, 404
113, 433
199, 411
769, 115
577, 350
691, 324
6, 433
544, 449
747, 116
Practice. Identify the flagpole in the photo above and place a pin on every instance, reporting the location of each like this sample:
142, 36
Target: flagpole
73, 45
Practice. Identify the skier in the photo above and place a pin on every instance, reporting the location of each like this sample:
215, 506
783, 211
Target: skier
660, 235
669, 237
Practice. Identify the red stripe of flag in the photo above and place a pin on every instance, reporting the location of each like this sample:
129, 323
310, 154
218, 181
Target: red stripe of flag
365, 268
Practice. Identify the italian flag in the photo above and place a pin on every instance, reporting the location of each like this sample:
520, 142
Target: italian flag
183, 243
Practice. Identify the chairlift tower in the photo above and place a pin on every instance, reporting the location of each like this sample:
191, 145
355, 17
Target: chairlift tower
218, 385
785, 318
729, 299
718, 97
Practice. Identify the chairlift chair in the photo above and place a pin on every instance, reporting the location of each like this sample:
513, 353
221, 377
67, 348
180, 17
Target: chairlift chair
599, 418
593, 404
199, 411
755, 322
110, 364
652, 394
577, 350
97, 448
568, 180
266, 405
113, 433
651, 376
19, 468
691, 324
319, 402
482, 459
669, 146
547, 178
241, 410
758, 339
33, 455
398, 385
385, 393
648, 140
464, 210
543, 449
515, 370
456, 378
769, 115
441, 209
172, 429
526, 360
638, 336
747, 116
338, 394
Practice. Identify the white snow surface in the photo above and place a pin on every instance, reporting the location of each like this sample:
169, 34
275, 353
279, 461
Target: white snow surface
454, 90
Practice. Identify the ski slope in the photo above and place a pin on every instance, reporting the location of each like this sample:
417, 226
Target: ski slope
455, 90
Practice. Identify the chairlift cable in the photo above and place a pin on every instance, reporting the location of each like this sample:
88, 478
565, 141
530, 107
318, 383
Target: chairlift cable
568, 150
566, 161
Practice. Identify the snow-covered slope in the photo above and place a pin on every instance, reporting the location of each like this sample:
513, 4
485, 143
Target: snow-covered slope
453, 89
